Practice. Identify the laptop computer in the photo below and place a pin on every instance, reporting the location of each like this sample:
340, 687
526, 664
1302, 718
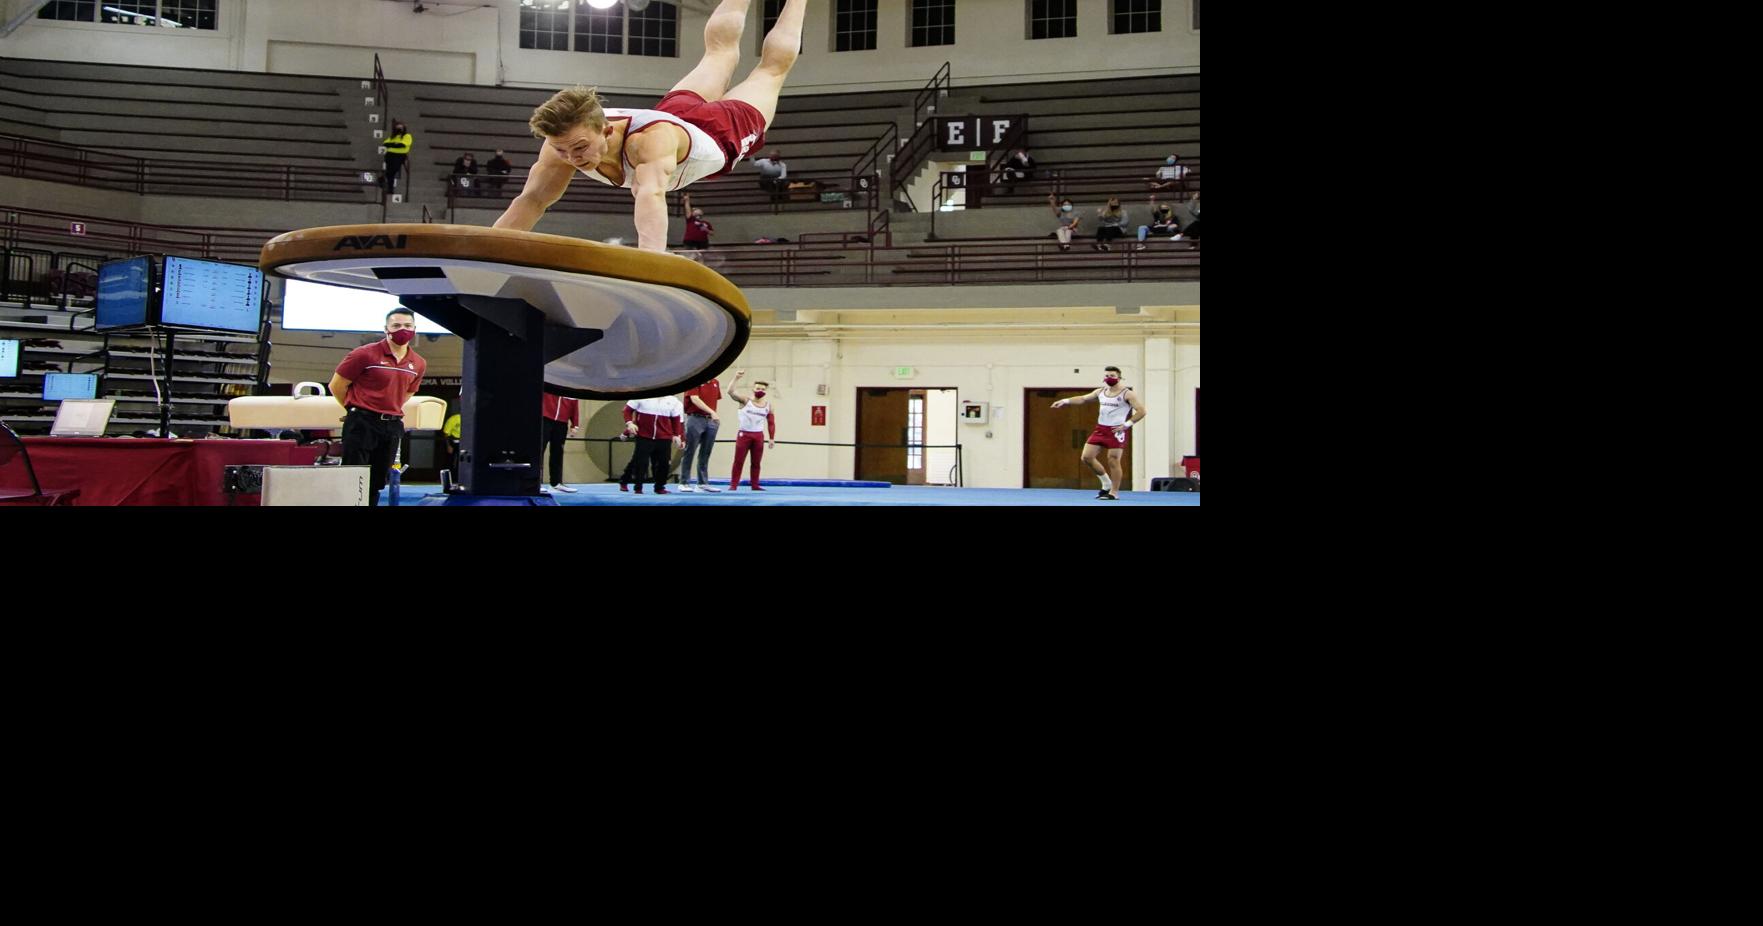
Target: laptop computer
82, 418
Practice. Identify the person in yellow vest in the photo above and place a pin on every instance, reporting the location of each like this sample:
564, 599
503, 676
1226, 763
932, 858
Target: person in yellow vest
397, 152
451, 428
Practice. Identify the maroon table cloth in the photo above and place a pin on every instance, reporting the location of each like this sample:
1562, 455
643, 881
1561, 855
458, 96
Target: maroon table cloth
150, 471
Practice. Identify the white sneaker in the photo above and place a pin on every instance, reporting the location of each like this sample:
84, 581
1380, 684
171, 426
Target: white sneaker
688, 487
708, 488
563, 488
1175, 237
544, 490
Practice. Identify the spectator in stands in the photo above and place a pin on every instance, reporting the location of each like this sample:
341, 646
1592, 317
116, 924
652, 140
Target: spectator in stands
1192, 231
499, 169
1110, 224
1171, 174
397, 152
1068, 221
465, 166
697, 230
773, 174
1019, 167
1163, 222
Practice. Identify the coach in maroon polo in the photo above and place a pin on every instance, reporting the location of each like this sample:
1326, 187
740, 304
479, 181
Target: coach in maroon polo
373, 383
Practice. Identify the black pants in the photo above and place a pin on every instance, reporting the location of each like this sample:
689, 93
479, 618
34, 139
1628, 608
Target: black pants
394, 166
651, 454
371, 441
555, 433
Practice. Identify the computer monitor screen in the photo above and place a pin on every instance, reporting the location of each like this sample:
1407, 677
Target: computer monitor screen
58, 386
321, 307
125, 293
8, 357
213, 295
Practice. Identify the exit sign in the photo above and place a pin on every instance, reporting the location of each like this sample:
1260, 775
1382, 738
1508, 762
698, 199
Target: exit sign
904, 372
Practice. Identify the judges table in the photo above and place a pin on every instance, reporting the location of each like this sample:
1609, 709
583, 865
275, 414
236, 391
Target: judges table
149, 471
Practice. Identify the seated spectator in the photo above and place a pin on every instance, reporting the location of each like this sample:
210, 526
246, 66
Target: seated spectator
1163, 222
1068, 220
1018, 167
773, 174
1110, 224
1171, 174
499, 169
465, 166
1192, 231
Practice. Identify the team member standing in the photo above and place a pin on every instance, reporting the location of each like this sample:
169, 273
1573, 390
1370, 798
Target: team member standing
701, 428
757, 421
656, 425
562, 420
373, 383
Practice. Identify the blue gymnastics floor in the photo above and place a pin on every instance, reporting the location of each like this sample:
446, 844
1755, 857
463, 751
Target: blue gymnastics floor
895, 496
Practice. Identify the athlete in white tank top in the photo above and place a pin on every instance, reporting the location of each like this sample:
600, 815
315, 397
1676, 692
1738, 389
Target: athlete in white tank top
704, 158
658, 166
753, 416
1114, 408
1118, 414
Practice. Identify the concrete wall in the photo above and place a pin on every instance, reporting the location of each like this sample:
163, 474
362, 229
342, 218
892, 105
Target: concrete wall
117, 44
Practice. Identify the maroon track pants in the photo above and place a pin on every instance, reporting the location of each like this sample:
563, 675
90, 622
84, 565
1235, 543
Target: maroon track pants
748, 440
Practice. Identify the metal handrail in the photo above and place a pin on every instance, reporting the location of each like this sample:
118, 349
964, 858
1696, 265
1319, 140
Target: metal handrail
382, 95
867, 162
940, 81
134, 237
35, 159
882, 225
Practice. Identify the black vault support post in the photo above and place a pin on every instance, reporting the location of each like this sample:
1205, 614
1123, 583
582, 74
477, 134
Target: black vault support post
507, 343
